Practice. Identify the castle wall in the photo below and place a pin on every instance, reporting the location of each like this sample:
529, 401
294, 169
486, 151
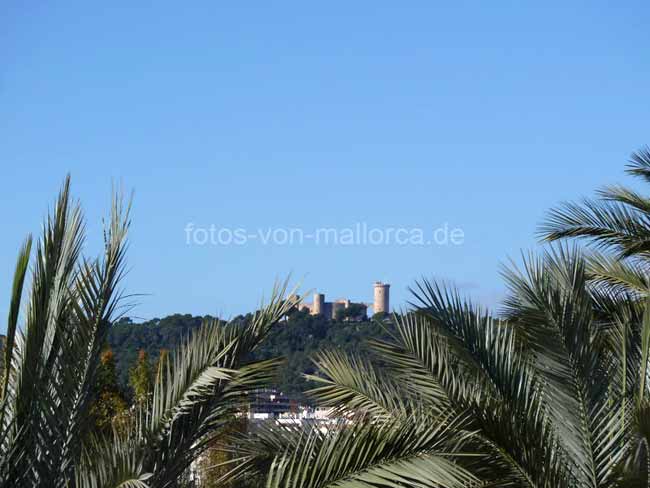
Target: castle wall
330, 309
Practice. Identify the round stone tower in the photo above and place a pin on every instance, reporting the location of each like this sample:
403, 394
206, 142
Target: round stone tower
318, 307
381, 297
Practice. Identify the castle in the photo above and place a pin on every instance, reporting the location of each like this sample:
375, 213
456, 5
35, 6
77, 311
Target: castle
356, 310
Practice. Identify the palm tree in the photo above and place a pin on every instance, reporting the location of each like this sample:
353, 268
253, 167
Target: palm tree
553, 395
199, 391
51, 363
617, 223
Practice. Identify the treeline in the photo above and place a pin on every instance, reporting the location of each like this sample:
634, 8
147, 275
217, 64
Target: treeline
297, 339
126, 339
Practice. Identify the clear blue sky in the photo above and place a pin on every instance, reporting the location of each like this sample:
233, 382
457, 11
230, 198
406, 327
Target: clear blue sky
479, 114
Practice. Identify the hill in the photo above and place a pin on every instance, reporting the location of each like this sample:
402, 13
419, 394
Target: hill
297, 339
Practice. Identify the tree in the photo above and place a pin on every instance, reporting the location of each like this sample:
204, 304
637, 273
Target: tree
127, 339
52, 361
141, 378
380, 316
200, 387
618, 222
355, 311
109, 408
214, 464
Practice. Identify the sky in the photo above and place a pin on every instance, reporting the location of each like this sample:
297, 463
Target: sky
267, 117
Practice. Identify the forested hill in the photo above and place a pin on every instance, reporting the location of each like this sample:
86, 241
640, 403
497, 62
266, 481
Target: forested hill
126, 338
297, 339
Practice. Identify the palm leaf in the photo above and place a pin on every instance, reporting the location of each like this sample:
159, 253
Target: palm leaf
417, 454
353, 385
199, 389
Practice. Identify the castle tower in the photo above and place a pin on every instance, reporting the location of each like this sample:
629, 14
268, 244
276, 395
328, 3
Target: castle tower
318, 307
381, 297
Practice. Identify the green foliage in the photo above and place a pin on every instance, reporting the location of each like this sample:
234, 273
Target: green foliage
354, 311
200, 388
52, 358
380, 316
301, 337
215, 463
109, 407
298, 339
127, 339
394, 453
616, 222
141, 378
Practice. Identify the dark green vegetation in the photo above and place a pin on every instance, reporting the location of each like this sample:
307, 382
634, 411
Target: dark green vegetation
302, 336
297, 339
126, 339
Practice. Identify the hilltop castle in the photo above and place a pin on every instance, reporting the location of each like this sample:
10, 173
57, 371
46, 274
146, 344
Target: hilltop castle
359, 310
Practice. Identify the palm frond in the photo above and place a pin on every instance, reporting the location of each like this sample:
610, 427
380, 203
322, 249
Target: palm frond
618, 275
486, 370
634, 471
420, 361
32, 397
114, 463
199, 389
14, 309
417, 454
353, 385
481, 351
51, 361
639, 164
625, 196
608, 224
551, 306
